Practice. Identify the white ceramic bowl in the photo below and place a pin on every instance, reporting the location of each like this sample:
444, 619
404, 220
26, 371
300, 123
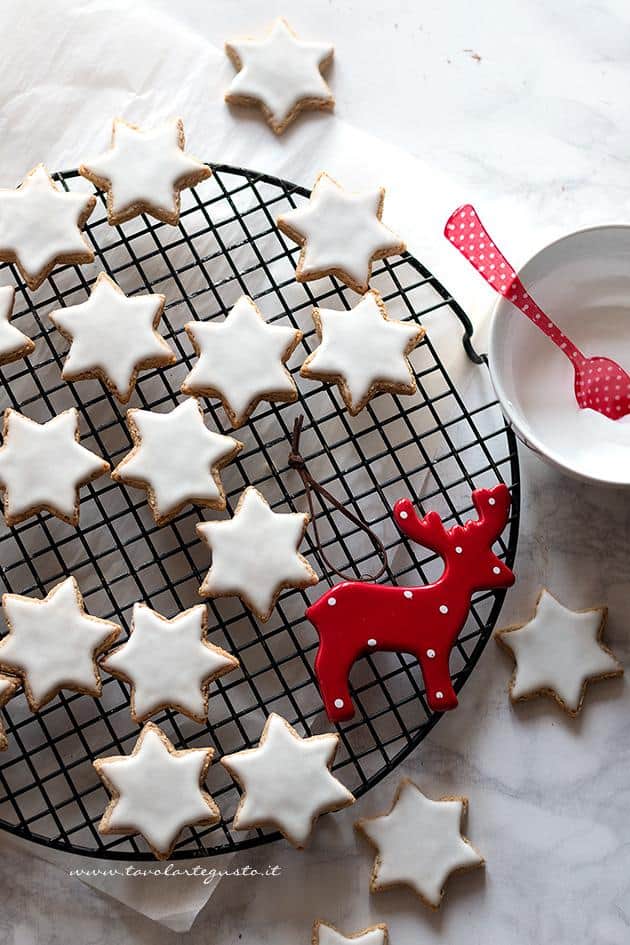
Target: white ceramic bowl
583, 282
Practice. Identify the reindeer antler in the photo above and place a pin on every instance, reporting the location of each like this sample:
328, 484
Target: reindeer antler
492, 507
428, 531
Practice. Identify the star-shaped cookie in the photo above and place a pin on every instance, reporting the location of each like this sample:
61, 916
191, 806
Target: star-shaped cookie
281, 74
286, 781
53, 643
177, 459
43, 465
363, 351
326, 934
157, 791
144, 171
242, 360
113, 337
169, 664
255, 554
341, 234
8, 687
558, 652
13, 343
419, 843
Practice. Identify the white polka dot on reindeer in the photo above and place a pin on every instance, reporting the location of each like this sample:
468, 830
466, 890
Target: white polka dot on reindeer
496, 570
431, 654
371, 642
332, 601
408, 594
439, 695
491, 501
403, 514
458, 550
338, 703
443, 609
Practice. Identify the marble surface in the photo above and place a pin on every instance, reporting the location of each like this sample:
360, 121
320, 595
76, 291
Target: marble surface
522, 103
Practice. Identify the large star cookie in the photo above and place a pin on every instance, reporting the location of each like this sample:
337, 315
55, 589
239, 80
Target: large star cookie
113, 337
255, 554
43, 465
363, 351
177, 459
13, 343
40, 226
145, 171
286, 781
419, 843
169, 664
340, 233
281, 73
157, 791
53, 643
8, 687
325, 934
242, 360
557, 653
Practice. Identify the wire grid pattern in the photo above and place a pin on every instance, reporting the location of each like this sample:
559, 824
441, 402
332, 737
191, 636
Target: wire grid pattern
427, 445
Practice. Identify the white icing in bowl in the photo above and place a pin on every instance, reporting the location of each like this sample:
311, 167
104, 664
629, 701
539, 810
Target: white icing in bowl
583, 281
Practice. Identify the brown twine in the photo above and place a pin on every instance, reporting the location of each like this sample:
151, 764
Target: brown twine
296, 461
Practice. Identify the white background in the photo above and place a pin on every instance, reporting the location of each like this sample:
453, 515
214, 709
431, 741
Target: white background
536, 132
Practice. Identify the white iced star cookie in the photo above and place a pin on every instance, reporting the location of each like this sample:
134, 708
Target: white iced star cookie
176, 459
419, 843
43, 465
287, 782
113, 337
242, 360
255, 554
157, 791
52, 644
144, 171
281, 74
341, 234
557, 653
8, 687
40, 226
13, 343
363, 351
326, 934
169, 663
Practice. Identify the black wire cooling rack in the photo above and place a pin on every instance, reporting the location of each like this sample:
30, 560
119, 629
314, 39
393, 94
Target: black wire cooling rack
430, 446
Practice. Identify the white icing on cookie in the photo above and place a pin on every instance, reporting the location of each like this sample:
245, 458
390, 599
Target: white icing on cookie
341, 233
557, 652
419, 843
42, 466
144, 171
254, 554
286, 781
176, 458
241, 360
169, 663
281, 73
53, 643
13, 344
112, 336
156, 791
8, 687
324, 934
364, 351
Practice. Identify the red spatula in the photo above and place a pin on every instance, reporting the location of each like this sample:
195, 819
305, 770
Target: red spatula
600, 383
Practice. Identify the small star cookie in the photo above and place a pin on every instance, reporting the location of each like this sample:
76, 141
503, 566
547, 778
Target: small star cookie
287, 782
8, 687
281, 74
176, 459
13, 344
43, 465
363, 351
157, 791
145, 171
52, 644
255, 554
325, 934
557, 653
419, 843
169, 663
113, 337
341, 234
40, 226
242, 360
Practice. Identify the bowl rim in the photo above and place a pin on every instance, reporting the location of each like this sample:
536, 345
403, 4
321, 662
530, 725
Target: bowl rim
527, 436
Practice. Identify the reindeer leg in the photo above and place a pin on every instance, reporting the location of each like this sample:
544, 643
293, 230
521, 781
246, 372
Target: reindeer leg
332, 667
437, 678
